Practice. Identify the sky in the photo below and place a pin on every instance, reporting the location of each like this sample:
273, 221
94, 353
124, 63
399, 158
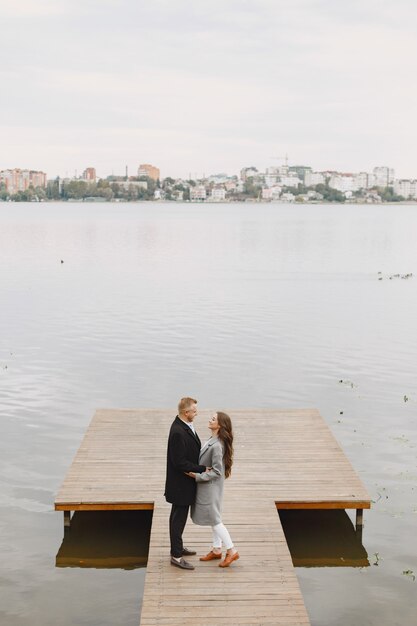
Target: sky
201, 87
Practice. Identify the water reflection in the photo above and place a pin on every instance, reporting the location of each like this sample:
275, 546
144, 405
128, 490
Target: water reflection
275, 317
106, 539
319, 538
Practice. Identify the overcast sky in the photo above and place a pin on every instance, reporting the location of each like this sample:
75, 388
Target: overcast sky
207, 86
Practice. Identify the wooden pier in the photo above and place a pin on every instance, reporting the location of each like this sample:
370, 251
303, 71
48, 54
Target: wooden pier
283, 459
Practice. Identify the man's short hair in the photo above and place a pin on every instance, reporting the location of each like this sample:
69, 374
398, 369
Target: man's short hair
185, 403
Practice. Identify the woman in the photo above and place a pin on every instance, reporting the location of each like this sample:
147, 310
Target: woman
217, 455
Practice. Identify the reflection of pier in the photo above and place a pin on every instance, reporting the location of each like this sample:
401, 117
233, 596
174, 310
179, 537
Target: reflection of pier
106, 539
284, 459
322, 539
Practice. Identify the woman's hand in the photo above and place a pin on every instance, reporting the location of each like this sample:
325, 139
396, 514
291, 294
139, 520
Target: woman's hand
190, 474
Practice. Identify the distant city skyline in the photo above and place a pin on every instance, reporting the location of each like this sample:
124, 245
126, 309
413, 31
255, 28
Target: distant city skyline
207, 86
90, 172
283, 182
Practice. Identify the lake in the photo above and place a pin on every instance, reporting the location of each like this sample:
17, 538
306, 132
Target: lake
237, 305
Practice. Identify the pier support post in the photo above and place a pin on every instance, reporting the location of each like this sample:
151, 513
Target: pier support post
67, 519
359, 523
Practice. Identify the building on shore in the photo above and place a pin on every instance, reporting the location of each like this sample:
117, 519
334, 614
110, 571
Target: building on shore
89, 174
218, 194
198, 193
406, 188
383, 176
130, 184
271, 193
16, 180
150, 171
314, 178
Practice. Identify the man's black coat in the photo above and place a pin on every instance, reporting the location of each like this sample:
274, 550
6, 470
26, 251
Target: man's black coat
182, 456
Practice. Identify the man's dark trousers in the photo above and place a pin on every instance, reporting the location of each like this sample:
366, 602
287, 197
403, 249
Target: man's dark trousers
177, 521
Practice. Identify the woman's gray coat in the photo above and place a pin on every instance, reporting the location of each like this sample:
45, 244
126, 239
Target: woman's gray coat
207, 510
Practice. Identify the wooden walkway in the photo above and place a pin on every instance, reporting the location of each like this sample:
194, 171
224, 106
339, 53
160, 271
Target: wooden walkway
283, 459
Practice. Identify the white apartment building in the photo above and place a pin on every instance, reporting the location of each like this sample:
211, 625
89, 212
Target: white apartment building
383, 176
271, 176
198, 193
218, 194
314, 178
290, 180
343, 182
361, 180
271, 180
349, 182
283, 170
272, 171
126, 184
406, 188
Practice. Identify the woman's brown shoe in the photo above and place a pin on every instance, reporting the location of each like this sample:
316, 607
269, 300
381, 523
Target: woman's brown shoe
211, 556
228, 559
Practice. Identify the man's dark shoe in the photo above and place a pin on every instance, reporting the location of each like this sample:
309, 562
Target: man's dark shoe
187, 552
182, 563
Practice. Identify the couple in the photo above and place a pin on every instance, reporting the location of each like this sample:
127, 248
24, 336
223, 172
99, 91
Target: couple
195, 477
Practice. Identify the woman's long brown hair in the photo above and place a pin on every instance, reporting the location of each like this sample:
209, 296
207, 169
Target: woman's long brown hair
226, 437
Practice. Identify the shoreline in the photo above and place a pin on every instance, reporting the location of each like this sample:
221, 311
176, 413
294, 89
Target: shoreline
202, 203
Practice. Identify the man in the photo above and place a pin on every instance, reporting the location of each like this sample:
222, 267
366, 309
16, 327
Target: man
182, 456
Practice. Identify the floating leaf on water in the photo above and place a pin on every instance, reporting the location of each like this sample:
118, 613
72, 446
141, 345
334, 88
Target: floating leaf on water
409, 573
349, 383
405, 399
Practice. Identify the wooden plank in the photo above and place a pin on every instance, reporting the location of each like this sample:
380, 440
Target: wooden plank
105, 506
317, 504
283, 459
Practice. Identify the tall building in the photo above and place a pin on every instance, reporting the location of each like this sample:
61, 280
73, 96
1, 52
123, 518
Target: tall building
145, 169
90, 174
314, 178
361, 180
343, 182
406, 188
19, 180
383, 176
300, 170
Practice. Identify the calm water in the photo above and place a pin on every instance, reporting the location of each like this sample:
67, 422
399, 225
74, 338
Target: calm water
246, 306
